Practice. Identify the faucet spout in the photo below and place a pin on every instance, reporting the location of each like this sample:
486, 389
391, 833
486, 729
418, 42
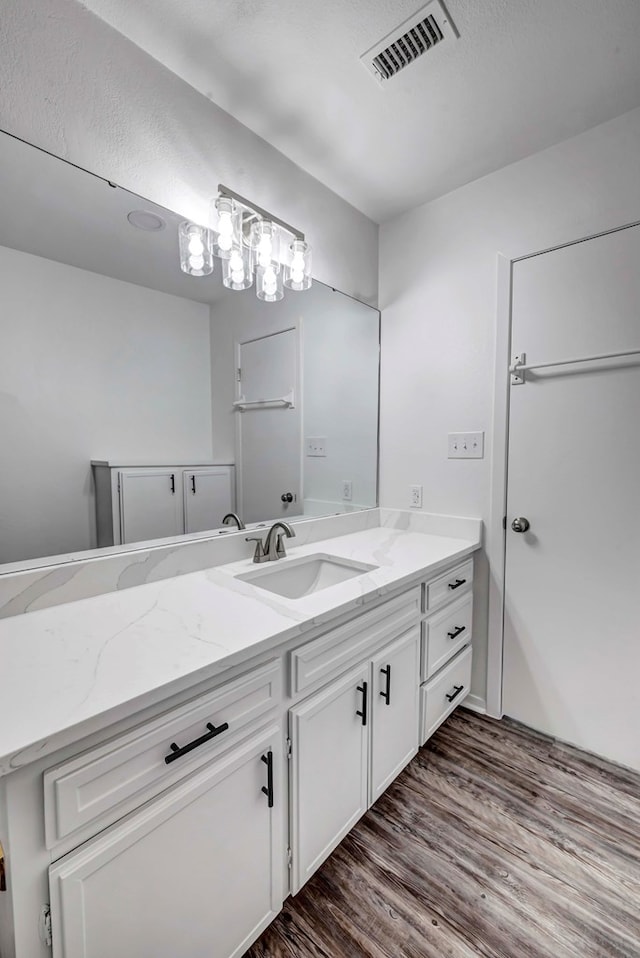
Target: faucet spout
232, 517
274, 545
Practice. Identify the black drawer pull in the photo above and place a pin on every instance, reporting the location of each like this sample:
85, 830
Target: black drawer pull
458, 630
363, 714
457, 689
456, 584
268, 789
386, 693
193, 485
172, 482
177, 752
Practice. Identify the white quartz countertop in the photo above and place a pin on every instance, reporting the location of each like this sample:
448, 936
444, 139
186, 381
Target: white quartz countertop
73, 669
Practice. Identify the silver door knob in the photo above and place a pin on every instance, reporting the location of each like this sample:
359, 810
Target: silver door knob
287, 497
520, 524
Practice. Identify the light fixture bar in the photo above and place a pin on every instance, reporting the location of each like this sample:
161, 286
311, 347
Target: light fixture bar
225, 191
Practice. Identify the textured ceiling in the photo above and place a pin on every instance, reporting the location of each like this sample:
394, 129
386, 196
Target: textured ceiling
524, 74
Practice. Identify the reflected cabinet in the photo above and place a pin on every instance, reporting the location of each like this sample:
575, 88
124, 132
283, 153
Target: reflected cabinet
138, 503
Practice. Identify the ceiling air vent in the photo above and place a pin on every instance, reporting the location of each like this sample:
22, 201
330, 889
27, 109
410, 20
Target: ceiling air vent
426, 29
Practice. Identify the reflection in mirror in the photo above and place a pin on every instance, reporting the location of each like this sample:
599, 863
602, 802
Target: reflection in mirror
137, 402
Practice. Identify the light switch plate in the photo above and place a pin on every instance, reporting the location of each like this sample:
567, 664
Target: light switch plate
316, 446
466, 445
415, 497
347, 489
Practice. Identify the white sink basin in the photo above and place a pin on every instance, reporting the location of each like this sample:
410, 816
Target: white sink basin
298, 577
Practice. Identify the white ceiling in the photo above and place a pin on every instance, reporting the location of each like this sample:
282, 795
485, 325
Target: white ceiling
524, 74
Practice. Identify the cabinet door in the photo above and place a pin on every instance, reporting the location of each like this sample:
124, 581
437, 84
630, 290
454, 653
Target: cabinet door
394, 710
208, 495
329, 770
196, 873
150, 504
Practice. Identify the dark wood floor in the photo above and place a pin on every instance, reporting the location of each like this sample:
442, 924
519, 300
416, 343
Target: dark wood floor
494, 842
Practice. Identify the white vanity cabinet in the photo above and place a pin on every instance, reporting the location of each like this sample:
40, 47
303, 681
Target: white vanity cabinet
350, 739
138, 503
191, 860
197, 872
447, 605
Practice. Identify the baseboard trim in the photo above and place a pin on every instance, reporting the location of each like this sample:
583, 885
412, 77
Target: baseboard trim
475, 704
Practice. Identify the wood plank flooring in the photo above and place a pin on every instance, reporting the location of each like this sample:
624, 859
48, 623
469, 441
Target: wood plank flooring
494, 842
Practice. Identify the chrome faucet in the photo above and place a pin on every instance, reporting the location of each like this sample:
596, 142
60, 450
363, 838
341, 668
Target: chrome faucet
232, 517
273, 547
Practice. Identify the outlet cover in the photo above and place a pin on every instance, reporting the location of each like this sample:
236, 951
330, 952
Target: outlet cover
316, 446
415, 497
347, 489
466, 445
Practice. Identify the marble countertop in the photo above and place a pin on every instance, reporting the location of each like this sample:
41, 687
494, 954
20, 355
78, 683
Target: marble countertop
71, 670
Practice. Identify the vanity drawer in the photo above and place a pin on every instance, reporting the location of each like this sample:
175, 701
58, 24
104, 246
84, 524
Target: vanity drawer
445, 691
89, 792
444, 634
326, 656
448, 587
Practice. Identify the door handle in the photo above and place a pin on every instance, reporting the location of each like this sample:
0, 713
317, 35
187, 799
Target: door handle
193, 485
363, 714
173, 484
386, 693
287, 497
520, 524
268, 788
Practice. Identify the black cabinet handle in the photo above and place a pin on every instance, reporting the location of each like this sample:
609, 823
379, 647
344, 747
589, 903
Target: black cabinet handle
193, 485
173, 485
458, 630
268, 788
363, 714
457, 689
456, 584
177, 752
386, 693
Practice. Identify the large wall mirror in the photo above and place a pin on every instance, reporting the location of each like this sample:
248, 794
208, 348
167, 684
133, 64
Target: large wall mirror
137, 402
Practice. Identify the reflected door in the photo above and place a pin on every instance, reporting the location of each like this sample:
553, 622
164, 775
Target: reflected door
572, 598
269, 427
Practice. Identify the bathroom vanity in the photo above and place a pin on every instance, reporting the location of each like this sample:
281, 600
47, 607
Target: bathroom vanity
178, 757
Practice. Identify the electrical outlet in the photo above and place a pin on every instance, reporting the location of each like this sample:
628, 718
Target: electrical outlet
347, 489
415, 497
316, 447
466, 445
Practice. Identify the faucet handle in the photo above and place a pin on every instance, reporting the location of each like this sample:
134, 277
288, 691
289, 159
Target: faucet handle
259, 553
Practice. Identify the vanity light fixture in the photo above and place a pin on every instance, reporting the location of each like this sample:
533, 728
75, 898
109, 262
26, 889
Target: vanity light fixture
196, 249
250, 242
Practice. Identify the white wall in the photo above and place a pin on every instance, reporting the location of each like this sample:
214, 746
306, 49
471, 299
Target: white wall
90, 368
340, 383
438, 300
73, 85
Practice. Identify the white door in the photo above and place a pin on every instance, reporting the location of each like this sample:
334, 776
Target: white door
209, 494
329, 736
196, 873
269, 430
572, 585
394, 710
150, 504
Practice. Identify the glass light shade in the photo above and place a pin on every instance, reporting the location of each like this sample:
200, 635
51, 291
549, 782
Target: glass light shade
269, 283
226, 221
236, 271
196, 258
264, 240
297, 272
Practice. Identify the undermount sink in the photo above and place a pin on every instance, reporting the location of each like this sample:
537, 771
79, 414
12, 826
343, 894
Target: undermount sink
298, 577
